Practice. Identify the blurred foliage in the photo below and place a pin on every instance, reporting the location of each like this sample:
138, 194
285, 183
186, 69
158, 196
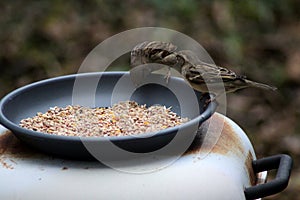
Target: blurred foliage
41, 39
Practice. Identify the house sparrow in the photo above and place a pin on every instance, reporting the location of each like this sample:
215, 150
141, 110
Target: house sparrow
203, 77
149, 52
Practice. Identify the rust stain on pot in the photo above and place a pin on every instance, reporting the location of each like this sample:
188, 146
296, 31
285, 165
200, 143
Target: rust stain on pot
249, 169
5, 141
228, 142
10, 146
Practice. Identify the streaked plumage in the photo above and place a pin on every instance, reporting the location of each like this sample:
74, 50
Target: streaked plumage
152, 52
200, 75
204, 77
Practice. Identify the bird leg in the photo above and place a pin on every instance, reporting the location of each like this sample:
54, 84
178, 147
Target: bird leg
168, 60
168, 75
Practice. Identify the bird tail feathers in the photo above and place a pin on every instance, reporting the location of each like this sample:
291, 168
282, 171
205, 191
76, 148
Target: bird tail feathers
260, 85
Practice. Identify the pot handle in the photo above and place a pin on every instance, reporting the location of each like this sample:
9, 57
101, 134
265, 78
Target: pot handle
283, 163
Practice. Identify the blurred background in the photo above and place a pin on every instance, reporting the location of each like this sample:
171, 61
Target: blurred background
260, 39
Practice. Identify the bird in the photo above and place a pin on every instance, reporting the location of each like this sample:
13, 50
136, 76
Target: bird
203, 77
152, 52
210, 78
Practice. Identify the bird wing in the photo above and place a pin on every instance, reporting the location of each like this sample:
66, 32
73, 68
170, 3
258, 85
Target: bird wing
197, 71
209, 73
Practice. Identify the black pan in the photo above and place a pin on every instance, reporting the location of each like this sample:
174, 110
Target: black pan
40, 96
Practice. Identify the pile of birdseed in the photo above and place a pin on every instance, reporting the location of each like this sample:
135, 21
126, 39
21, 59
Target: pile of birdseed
124, 118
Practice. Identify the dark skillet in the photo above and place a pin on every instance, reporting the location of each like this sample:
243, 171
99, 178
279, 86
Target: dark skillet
40, 96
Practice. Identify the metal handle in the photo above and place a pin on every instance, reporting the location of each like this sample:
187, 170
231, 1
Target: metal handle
283, 163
